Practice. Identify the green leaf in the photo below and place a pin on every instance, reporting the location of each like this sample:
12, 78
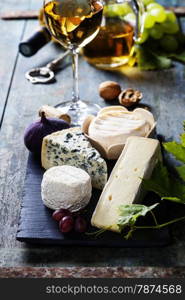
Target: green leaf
164, 175
164, 185
148, 60
181, 172
128, 214
129, 234
173, 199
179, 56
176, 149
159, 175
182, 136
177, 189
152, 186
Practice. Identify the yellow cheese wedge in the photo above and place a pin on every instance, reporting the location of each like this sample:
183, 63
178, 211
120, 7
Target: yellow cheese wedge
136, 161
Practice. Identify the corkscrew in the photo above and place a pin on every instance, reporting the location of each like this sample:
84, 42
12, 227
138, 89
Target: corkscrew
45, 74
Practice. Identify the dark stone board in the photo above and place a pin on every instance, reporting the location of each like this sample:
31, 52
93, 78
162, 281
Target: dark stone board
37, 226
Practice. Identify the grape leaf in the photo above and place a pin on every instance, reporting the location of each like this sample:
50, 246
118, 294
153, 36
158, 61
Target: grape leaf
179, 56
159, 175
177, 189
183, 139
152, 186
176, 149
148, 60
130, 213
164, 185
181, 171
164, 175
174, 199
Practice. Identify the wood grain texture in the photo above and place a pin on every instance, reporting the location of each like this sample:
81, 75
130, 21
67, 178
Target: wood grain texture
11, 33
164, 92
20, 15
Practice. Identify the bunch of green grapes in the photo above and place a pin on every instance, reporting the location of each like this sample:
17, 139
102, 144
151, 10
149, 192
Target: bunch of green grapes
160, 24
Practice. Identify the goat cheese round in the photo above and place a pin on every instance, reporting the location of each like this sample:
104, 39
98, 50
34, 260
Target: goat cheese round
66, 187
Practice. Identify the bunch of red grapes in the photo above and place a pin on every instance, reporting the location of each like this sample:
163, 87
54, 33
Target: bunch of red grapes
69, 221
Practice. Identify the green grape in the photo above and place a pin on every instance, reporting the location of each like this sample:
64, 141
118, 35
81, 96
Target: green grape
123, 9
143, 37
130, 18
171, 16
169, 43
159, 14
170, 27
156, 32
110, 10
146, 2
115, 10
154, 6
149, 20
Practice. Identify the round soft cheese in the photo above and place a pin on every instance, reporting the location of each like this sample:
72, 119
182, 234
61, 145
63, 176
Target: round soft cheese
114, 127
66, 187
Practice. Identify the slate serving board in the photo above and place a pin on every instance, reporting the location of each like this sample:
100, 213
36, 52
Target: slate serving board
37, 226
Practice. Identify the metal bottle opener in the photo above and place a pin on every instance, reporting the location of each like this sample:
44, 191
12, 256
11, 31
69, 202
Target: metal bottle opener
45, 74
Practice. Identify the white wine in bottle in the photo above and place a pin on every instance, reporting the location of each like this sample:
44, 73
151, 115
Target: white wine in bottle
114, 43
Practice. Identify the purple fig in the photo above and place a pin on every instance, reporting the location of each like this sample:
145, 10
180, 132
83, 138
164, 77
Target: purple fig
36, 131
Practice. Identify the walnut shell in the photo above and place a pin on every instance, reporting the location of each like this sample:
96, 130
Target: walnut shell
130, 97
109, 90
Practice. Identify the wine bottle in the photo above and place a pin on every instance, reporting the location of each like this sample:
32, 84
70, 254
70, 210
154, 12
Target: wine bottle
33, 44
38, 40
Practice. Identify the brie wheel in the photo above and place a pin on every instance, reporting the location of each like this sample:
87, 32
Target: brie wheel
112, 127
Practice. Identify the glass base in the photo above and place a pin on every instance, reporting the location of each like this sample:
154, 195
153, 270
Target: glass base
78, 111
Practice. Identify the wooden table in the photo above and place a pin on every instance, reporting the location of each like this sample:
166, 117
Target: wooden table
164, 92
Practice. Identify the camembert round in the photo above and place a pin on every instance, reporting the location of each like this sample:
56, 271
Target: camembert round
113, 125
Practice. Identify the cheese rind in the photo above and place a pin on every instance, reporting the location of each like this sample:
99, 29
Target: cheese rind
113, 126
136, 161
66, 187
71, 147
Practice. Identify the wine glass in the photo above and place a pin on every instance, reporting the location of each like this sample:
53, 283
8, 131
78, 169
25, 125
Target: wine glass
74, 23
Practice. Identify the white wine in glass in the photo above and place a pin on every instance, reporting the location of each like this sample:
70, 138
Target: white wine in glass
74, 23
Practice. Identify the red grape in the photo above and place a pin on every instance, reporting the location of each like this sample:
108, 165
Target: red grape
60, 213
76, 213
66, 224
80, 224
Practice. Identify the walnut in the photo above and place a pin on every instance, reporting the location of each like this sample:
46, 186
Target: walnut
109, 90
130, 97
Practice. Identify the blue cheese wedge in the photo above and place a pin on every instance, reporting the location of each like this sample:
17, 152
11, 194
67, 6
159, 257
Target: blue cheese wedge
137, 161
71, 147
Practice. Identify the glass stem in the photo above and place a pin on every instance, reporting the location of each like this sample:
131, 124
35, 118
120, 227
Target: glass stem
75, 92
